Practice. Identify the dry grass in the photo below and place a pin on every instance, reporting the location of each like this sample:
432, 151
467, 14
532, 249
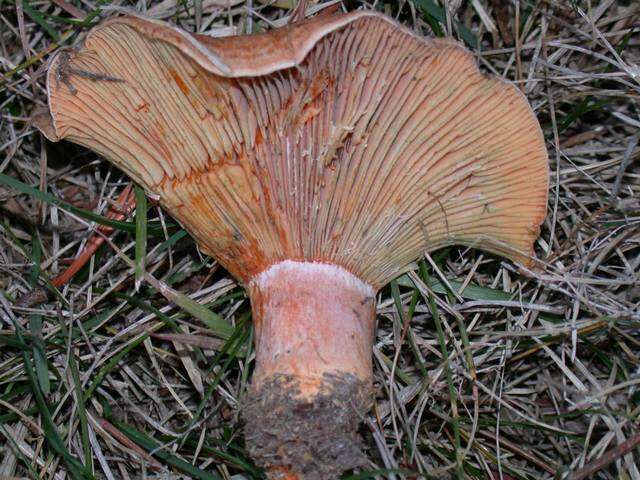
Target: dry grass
500, 373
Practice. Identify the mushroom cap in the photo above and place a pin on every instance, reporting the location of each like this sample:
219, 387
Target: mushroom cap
342, 139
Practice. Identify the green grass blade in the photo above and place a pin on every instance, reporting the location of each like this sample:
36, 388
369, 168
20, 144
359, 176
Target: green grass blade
151, 445
37, 17
11, 442
153, 228
433, 308
12, 341
36, 257
39, 357
438, 13
141, 236
215, 322
82, 411
471, 292
230, 349
110, 365
395, 293
76, 469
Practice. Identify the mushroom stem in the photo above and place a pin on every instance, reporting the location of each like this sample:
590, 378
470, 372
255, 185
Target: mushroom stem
311, 319
311, 386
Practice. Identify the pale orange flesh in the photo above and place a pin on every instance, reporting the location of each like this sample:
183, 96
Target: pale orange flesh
311, 320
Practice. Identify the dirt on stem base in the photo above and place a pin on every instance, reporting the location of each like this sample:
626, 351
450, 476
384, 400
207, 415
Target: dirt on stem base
296, 437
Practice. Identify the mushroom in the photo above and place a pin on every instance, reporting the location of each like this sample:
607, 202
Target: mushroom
315, 162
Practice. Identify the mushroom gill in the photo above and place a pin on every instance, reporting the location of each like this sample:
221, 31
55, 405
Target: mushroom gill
315, 162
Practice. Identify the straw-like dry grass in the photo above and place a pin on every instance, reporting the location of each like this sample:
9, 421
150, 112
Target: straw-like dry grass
482, 370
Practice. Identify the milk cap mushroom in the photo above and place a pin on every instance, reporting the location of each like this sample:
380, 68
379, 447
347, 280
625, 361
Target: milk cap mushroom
315, 162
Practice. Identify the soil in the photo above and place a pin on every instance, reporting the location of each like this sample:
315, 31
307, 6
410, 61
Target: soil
316, 439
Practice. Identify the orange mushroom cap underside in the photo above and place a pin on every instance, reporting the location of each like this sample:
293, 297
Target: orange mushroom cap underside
342, 139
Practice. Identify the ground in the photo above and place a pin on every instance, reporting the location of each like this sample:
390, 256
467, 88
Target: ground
483, 369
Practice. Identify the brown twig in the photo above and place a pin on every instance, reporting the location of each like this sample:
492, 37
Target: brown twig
610, 456
130, 444
121, 210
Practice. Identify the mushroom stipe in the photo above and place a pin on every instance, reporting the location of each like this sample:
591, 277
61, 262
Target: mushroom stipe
315, 162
